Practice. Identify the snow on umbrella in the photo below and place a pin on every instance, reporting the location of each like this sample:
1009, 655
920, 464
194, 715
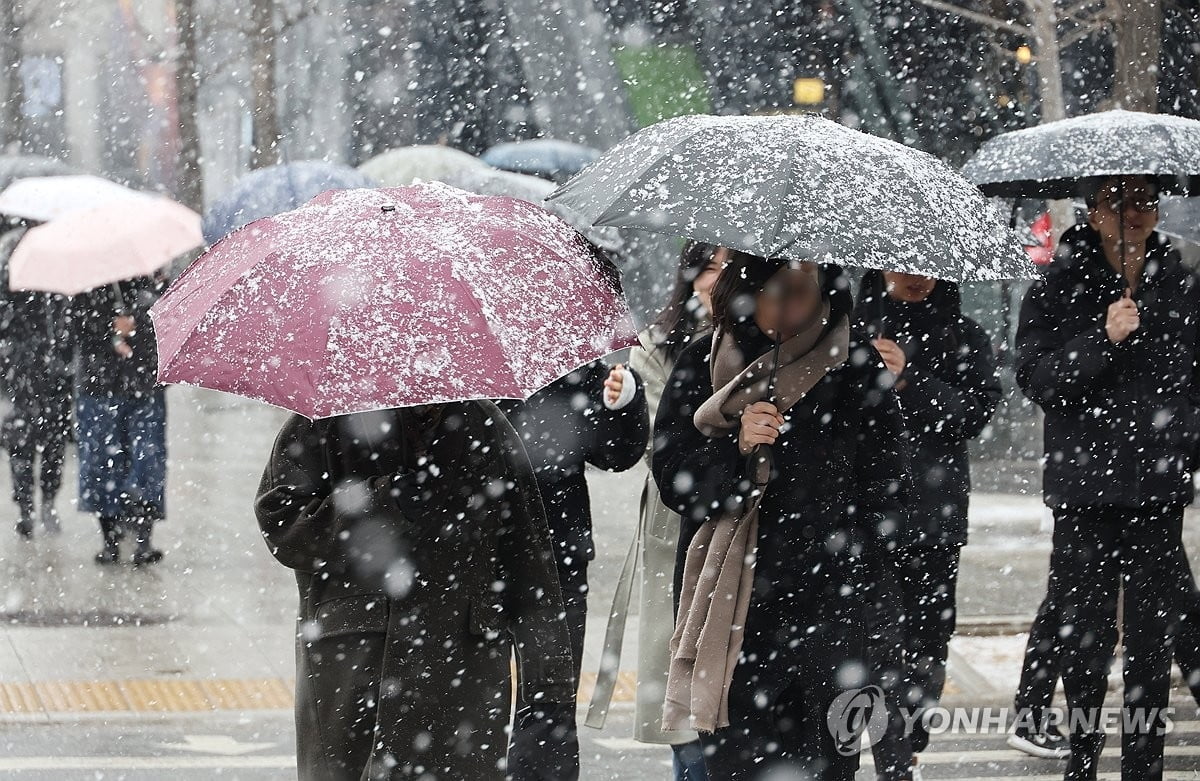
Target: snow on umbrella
1051, 160
428, 162
274, 190
803, 188
371, 299
545, 157
96, 234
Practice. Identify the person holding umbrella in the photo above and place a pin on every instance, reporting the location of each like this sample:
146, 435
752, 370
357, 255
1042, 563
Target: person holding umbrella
949, 389
121, 415
651, 557
403, 500
1108, 346
780, 444
37, 377
595, 415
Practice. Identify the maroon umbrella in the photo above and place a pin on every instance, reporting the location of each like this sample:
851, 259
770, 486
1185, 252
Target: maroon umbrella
371, 299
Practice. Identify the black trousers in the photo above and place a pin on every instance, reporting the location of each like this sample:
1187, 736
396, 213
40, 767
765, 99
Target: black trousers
545, 738
1043, 653
929, 589
1096, 550
887, 643
31, 434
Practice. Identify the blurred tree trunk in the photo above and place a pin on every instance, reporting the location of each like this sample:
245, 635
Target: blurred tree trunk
10, 76
1043, 25
265, 135
187, 88
1137, 40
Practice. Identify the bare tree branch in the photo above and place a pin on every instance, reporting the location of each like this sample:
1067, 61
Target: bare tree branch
1081, 32
975, 16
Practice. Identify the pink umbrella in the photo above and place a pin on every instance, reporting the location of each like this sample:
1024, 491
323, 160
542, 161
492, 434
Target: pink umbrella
90, 247
371, 299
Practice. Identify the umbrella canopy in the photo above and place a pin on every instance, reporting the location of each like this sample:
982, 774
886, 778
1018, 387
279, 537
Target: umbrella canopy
370, 299
45, 198
1050, 160
799, 187
428, 162
88, 248
14, 167
548, 158
274, 190
493, 181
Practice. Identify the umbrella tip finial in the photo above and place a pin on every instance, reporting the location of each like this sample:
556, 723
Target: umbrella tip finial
391, 207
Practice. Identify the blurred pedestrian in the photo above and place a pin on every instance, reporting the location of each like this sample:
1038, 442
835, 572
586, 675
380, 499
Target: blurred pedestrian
1107, 347
780, 444
948, 388
651, 558
121, 415
595, 415
423, 561
37, 380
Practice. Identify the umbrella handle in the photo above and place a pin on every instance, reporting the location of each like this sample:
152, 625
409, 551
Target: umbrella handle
118, 298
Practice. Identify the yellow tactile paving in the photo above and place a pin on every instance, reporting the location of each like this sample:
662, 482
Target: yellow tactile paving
19, 698
160, 695
81, 696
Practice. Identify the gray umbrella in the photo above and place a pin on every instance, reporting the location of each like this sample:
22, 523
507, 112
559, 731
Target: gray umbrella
799, 187
1050, 161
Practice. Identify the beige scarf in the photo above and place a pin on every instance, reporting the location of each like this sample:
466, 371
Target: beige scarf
719, 569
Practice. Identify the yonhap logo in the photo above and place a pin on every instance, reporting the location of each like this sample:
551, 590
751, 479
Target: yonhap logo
853, 712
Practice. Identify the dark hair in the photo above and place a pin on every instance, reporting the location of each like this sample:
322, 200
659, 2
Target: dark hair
1093, 185
747, 275
678, 320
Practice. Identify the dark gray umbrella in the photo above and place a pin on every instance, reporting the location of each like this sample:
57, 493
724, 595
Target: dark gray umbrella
803, 188
1051, 160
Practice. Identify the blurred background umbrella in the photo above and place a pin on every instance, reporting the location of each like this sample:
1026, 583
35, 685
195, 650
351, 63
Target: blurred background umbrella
92, 247
428, 162
14, 167
371, 299
799, 187
274, 190
45, 198
1180, 218
547, 158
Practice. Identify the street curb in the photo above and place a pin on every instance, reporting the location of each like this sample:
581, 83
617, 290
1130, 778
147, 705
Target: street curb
993, 626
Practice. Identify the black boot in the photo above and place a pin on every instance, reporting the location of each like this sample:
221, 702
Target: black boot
25, 524
110, 530
146, 553
1085, 756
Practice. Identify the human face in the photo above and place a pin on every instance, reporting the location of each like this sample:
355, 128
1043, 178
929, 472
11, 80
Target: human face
791, 298
909, 288
1140, 209
706, 280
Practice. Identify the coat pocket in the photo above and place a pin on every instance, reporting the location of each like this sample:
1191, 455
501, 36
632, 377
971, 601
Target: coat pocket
363, 613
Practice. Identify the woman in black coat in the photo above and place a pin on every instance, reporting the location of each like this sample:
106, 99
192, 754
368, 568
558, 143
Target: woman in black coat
423, 560
948, 387
836, 487
595, 415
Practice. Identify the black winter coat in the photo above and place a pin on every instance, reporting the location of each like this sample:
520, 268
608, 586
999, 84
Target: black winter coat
1121, 419
421, 556
99, 370
565, 426
948, 393
837, 491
